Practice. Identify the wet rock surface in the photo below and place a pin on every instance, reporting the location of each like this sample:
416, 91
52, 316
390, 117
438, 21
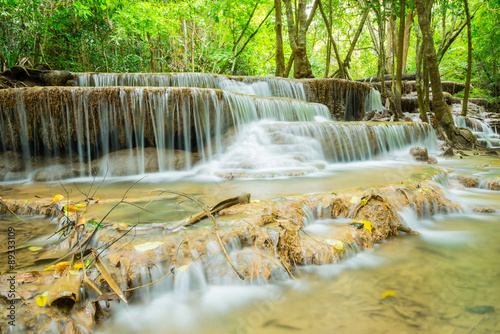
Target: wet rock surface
421, 154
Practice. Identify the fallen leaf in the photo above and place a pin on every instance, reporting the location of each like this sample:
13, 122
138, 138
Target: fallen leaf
57, 198
366, 224
337, 244
388, 293
148, 246
41, 299
59, 268
35, 248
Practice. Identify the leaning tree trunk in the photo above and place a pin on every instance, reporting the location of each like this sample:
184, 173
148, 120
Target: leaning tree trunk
469, 60
443, 121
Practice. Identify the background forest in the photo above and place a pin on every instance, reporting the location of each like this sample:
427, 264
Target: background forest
342, 38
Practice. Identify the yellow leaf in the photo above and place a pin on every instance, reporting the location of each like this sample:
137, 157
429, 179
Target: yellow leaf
366, 224
389, 293
337, 244
57, 198
78, 265
41, 300
35, 248
80, 205
59, 266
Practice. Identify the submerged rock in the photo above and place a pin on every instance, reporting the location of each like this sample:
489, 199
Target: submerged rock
448, 152
421, 154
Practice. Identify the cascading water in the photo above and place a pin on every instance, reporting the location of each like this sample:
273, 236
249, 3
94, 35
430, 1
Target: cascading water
294, 148
86, 124
127, 130
261, 86
373, 102
480, 129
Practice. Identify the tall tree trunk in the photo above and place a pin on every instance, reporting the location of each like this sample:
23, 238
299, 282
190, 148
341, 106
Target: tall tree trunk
425, 78
151, 53
406, 46
469, 60
341, 70
192, 45
347, 59
443, 121
302, 67
280, 56
399, 70
329, 42
381, 57
390, 41
184, 41
419, 80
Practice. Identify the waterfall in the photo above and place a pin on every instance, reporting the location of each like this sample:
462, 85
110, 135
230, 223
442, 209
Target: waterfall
268, 149
261, 86
480, 129
180, 126
373, 101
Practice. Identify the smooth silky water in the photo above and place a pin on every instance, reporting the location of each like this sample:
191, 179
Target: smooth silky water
444, 281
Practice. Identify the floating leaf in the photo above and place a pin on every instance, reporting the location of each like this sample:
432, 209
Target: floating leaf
57, 197
35, 248
388, 293
148, 246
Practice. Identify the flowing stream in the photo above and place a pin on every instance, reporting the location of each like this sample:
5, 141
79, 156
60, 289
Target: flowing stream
215, 137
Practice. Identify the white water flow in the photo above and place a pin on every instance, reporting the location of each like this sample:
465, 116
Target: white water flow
480, 129
444, 281
126, 131
373, 102
261, 86
268, 149
150, 129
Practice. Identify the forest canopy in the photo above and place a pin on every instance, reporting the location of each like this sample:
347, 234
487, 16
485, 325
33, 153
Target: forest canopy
345, 39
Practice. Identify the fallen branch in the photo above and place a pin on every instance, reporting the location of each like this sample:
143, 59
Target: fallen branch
241, 199
212, 219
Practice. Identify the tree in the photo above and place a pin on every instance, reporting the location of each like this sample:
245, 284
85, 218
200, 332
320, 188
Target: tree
280, 57
443, 121
297, 33
399, 70
469, 59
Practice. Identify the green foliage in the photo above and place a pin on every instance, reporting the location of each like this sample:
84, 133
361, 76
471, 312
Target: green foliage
204, 36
